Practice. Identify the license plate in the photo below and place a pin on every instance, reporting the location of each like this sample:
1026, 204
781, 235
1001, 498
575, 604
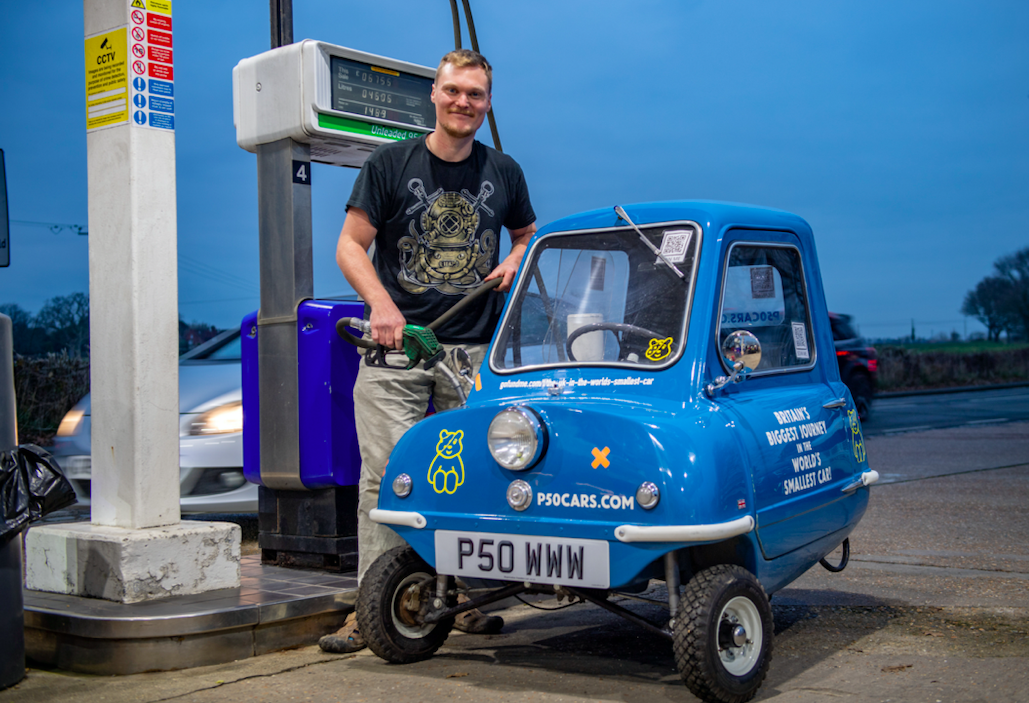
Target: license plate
77, 466
554, 560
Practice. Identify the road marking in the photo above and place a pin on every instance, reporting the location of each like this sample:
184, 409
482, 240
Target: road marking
899, 430
930, 570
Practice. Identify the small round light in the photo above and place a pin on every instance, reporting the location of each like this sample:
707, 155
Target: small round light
647, 495
402, 486
519, 495
516, 438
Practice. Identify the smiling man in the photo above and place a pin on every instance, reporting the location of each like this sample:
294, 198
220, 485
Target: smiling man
434, 207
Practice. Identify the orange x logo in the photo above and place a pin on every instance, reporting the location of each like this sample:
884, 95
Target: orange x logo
600, 457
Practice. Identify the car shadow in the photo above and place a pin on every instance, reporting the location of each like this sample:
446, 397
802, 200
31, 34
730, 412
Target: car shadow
585, 641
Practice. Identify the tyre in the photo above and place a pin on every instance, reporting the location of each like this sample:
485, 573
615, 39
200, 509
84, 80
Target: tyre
723, 635
861, 390
391, 603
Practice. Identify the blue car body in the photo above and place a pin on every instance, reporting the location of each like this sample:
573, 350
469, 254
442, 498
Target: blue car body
769, 473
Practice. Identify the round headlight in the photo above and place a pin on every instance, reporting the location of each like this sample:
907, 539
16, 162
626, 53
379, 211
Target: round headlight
519, 495
402, 486
647, 495
516, 438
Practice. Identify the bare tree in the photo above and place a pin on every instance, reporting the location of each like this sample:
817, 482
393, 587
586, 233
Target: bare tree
1014, 269
988, 303
66, 319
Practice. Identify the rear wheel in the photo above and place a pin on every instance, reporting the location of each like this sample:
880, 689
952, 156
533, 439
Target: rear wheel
723, 635
391, 604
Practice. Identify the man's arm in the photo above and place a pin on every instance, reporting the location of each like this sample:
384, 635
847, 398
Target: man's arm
355, 238
509, 266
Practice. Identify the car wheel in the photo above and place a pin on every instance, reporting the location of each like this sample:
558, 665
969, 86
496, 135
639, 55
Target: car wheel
861, 390
723, 635
391, 603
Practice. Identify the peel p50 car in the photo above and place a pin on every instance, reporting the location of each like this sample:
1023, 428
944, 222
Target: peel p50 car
660, 401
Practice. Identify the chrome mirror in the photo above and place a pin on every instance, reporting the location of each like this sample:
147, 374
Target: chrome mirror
742, 346
743, 352
461, 362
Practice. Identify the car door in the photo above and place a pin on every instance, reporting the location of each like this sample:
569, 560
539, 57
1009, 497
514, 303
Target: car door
791, 420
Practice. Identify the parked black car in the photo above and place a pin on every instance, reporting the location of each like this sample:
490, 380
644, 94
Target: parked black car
859, 363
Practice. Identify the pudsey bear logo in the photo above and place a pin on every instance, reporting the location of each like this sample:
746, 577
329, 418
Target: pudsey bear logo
446, 472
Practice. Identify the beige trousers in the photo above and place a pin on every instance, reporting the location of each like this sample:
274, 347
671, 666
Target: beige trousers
387, 403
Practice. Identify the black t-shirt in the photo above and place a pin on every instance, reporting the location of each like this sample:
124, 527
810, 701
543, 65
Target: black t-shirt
438, 229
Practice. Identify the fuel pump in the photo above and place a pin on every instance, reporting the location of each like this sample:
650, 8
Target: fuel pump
293, 105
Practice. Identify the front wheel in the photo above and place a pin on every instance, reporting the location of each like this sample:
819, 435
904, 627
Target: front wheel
391, 604
723, 635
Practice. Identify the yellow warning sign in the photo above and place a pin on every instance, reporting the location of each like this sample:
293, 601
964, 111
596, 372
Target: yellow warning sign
139, 4
107, 79
162, 6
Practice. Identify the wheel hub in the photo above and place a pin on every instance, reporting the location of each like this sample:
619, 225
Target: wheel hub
739, 636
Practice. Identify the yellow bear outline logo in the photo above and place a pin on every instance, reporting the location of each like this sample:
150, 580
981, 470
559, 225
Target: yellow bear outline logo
658, 349
451, 464
857, 441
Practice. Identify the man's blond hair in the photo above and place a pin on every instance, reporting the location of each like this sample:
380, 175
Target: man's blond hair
463, 58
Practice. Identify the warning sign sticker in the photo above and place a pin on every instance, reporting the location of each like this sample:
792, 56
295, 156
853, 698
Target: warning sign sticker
107, 79
152, 88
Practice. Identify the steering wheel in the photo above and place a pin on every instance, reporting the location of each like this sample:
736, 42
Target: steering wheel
620, 330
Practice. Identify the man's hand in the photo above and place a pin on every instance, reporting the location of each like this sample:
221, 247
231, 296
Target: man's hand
508, 268
388, 325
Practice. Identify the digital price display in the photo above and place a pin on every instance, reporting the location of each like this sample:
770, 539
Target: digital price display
366, 90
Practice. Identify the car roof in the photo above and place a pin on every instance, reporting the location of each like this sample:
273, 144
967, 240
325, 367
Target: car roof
711, 215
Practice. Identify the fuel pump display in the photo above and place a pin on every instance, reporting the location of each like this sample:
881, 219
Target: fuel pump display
372, 91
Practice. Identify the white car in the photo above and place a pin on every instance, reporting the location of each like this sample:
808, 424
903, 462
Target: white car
210, 433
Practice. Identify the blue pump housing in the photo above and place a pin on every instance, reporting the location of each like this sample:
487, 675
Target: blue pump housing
327, 369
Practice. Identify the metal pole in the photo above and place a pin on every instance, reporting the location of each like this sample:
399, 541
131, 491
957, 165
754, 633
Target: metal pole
282, 22
8, 406
287, 279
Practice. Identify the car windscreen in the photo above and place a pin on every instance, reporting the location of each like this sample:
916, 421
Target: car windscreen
600, 298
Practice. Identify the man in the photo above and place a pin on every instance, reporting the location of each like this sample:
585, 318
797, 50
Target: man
434, 207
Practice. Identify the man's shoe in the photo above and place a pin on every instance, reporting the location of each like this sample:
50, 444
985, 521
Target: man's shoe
475, 622
345, 640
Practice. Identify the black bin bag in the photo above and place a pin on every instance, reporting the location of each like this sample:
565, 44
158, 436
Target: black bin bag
31, 486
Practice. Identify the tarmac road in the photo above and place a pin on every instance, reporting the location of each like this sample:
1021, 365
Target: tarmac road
925, 410
934, 606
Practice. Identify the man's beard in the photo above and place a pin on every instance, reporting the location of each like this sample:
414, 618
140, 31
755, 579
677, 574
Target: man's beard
458, 133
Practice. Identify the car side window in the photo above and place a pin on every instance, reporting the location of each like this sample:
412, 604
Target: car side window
763, 292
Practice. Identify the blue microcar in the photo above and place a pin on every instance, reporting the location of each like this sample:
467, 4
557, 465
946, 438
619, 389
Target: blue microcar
661, 400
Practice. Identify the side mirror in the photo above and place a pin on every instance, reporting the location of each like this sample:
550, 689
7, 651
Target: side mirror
461, 362
743, 352
742, 346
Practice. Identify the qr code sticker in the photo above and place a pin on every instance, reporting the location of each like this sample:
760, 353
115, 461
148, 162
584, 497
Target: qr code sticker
762, 282
674, 245
800, 341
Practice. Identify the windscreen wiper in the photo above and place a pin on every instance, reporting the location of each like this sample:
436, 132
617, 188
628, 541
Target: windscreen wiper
621, 213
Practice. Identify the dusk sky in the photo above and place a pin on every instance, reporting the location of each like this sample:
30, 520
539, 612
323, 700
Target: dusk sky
899, 130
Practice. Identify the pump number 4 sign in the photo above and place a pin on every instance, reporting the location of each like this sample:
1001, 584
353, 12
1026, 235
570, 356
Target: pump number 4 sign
302, 172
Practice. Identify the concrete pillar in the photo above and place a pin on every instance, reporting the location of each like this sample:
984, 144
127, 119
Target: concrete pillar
136, 548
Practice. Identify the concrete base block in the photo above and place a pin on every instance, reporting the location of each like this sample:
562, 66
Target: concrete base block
130, 566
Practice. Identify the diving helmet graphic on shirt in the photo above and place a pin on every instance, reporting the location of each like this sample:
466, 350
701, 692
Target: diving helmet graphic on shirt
442, 251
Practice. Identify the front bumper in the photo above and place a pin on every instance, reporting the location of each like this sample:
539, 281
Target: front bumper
632, 548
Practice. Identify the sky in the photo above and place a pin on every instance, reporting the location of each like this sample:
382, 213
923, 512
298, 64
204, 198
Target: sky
899, 131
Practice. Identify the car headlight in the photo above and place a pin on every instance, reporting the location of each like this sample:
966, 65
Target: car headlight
221, 420
517, 438
69, 423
